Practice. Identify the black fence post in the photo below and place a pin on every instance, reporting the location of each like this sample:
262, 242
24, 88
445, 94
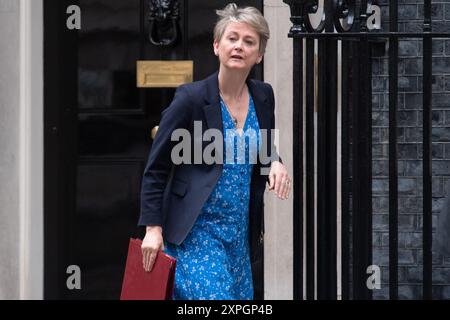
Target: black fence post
345, 171
327, 165
296, 31
310, 174
362, 164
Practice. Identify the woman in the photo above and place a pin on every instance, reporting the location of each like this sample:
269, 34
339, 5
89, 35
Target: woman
205, 213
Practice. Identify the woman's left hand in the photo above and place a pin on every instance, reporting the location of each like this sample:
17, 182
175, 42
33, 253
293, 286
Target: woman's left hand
279, 180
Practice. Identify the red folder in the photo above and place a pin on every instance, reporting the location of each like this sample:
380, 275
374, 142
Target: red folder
141, 285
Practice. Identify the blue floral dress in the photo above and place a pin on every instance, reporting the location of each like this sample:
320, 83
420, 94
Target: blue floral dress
213, 262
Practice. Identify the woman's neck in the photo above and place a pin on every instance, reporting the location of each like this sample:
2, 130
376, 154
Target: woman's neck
232, 84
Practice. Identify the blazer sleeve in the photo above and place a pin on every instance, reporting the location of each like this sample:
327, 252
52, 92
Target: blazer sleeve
276, 157
159, 165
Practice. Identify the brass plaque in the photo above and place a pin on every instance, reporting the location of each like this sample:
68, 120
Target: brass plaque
164, 74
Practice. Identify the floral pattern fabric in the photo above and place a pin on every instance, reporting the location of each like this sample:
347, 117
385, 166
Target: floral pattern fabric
213, 262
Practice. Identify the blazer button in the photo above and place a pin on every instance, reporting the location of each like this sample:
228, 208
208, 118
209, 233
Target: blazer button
261, 237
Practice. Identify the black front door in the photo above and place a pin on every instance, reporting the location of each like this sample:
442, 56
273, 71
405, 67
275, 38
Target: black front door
98, 131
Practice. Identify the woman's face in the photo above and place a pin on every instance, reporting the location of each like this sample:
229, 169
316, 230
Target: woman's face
239, 47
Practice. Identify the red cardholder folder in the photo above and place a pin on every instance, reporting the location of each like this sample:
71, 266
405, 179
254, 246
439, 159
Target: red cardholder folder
141, 285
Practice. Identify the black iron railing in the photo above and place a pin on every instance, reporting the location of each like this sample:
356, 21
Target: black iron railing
345, 22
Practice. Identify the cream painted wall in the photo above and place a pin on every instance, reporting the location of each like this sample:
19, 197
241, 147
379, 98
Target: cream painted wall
9, 146
31, 177
278, 259
21, 145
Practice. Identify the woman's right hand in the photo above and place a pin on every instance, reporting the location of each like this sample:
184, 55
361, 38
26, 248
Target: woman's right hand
152, 243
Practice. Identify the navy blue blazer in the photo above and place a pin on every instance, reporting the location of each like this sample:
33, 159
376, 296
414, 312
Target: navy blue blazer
172, 196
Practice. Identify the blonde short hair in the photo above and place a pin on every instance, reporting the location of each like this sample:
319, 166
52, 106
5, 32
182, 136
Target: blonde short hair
248, 15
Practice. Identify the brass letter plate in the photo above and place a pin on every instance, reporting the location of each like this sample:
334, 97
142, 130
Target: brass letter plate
164, 74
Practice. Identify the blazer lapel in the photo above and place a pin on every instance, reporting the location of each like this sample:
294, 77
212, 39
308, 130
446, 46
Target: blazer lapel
212, 109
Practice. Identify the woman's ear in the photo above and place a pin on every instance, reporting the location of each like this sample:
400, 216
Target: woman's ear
216, 47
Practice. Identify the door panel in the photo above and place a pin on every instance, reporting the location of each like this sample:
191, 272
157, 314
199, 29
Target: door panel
98, 126
107, 202
108, 44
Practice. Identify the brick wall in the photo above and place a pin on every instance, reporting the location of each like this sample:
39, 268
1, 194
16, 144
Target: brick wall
410, 151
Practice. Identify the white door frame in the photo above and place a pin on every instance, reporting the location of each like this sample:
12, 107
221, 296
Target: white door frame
31, 157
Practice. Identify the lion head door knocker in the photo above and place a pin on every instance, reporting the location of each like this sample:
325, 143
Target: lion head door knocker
164, 15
